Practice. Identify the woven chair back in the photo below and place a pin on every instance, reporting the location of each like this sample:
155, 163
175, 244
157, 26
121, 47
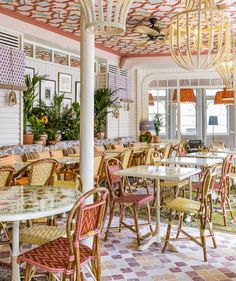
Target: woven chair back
167, 150
125, 158
147, 155
98, 165
41, 171
208, 183
6, 175
85, 221
115, 183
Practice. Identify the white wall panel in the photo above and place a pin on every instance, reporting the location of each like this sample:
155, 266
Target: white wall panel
52, 70
10, 121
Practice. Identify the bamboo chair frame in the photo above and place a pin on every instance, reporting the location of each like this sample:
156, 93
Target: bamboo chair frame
81, 225
6, 181
203, 214
117, 190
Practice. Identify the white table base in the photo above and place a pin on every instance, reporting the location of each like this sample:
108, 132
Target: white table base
15, 251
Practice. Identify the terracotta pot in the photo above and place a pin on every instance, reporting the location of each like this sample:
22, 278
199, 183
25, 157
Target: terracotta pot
41, 142
52, 142
44, 138
100, 135
28, 138
156, 139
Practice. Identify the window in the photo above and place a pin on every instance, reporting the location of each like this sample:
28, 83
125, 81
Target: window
219, 110
188, 119
159, 106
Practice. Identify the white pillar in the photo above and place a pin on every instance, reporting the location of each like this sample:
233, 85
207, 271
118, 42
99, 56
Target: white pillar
178, 116
87, 54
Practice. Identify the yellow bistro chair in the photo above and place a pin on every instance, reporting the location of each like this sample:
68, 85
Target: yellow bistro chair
199, 210
39, 234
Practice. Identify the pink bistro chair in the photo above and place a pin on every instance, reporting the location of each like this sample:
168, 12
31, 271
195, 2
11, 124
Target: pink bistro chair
222, 187
119, 200
66, 256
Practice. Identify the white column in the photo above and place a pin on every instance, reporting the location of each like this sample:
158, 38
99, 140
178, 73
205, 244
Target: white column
178, 116
87, 54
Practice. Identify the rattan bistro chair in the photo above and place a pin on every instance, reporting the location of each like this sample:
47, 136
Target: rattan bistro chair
6, 175
119, 200
39, 234
40, 172
66, 256
201, 211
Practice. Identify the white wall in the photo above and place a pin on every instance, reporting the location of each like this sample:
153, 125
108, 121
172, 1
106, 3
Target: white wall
10, 119
52, 70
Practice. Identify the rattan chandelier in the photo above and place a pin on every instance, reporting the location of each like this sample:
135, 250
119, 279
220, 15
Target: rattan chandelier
200, 35
106, 17
227, 68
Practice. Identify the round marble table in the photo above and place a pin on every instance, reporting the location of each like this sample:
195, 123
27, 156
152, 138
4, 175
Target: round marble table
18, 203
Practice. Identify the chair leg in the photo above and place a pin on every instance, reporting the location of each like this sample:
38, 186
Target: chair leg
136, 224
230, 208
212, 234
224, 211
122, 210
28, 272
168, 232
110, 221
203, 240
149, 217
181, 220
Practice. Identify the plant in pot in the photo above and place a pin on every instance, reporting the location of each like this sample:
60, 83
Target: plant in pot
71, 122
54, 113
158, 123
37, 129
104, 99
52, 136
29, 97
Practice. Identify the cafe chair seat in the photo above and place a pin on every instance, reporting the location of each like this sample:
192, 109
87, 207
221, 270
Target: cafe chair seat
184, 205
54, 256
40, 234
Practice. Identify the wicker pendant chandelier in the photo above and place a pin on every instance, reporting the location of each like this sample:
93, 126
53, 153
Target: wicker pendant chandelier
106, 17
200, 35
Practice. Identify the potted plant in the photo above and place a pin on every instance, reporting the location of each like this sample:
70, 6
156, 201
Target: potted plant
104, 99
37, 129
29, 97
52, 136
158, 123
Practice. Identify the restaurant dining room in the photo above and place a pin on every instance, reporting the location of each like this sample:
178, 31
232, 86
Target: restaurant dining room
117, 140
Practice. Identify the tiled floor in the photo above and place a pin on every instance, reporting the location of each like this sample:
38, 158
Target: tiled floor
121, 260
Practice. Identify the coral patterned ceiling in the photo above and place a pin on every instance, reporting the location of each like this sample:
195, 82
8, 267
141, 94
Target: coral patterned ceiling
64, 15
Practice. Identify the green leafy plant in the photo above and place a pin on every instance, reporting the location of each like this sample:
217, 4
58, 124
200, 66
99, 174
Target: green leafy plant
158, 123
71, 122
30, 96
104, 99
54, 113
37, 127
52, 134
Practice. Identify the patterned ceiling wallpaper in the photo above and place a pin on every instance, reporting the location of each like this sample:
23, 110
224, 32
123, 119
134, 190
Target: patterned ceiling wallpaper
65, 15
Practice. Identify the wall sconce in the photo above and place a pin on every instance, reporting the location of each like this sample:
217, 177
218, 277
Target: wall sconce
12, 100
116, 113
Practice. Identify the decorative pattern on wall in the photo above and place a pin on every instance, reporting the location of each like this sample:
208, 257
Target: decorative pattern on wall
12, 65
65, 15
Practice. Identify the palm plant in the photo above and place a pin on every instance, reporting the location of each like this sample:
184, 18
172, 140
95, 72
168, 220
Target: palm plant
30, 96
103, 100
158, 123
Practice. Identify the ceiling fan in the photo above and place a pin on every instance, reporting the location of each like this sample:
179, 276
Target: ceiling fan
153, 33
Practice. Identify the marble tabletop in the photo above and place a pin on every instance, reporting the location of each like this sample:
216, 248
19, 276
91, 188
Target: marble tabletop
224, 150
31, 202
159, 172
211, 155
190, 161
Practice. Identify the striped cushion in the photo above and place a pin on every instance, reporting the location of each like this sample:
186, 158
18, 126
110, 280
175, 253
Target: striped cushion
30, 156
